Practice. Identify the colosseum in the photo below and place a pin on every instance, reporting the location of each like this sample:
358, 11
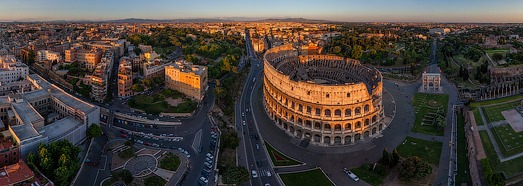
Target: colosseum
327, 99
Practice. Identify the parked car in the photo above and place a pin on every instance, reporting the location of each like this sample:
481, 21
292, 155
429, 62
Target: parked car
353, 176
254, 174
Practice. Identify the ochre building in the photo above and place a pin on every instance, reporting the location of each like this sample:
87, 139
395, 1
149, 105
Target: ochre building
327, 99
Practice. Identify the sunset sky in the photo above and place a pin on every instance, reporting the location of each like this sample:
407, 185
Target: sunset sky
335, 10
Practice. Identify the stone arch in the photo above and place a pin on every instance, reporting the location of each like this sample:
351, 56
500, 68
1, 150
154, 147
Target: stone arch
300, 108
327, 127
317, 125
366, 108
374, 118
357, 137
337, 113
357, 111
327, 113
299, 133
307, 135
348, 139
366, 134
292, 118
358, 124
380, 127
309, 110
308, 124
317, 138
327, 140
291, 129
337, 140
337, 127
373, 130
348, 112
285, 126
300, 121
348, 126
367, 122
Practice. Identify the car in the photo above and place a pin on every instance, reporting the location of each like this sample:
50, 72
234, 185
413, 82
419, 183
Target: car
205, 174
258, 163
180, 149
147, 143
345, 170
254, 174
353, 176
204, 180
267, 184
247, 110
209, 155
123, 135
251, 135
243, 114
208, 160
257, 147
187, 154
207, 164
269, 173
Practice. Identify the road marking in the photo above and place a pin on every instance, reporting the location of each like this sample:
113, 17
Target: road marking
197, 141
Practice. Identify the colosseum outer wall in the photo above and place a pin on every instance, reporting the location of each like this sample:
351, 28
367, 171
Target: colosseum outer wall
328, 114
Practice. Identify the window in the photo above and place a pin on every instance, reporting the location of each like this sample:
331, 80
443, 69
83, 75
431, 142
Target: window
327, 96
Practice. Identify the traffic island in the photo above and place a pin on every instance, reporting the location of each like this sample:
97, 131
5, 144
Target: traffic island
279, 159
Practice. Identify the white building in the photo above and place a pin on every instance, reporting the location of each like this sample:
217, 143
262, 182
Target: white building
11, 69
67, 117
43, 55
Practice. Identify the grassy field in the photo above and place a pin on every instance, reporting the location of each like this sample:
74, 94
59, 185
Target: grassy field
502, 51
279, 159
510, 141
493, 113
425, 104
371, 177
428, 151
308, 178
511, 168
463, 175
474, 105
477, 117
156, 104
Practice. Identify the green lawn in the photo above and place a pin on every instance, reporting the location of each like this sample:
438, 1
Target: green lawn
424, 104
170, 162
493, 113
474, 105
510, 141
279, 159
308, 178
156, 104
463, 175
502, 51
511, 168
366, 173
477, 117
428, 151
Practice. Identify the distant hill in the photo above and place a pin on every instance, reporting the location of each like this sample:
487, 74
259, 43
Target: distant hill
300, 20
195, 20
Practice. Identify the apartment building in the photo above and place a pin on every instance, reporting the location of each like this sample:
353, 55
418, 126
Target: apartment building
187, 78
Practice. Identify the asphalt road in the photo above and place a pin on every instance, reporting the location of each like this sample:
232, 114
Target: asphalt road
251, 153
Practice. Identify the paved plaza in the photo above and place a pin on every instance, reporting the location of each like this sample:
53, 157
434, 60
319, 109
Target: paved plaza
142, 165
514, 119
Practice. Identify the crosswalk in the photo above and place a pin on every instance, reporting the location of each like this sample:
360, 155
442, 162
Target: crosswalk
265, 172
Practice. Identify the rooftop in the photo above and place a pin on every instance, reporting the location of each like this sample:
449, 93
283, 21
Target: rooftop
15, 173
60, 128
26, 112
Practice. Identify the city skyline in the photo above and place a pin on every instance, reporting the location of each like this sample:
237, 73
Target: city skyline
481, 11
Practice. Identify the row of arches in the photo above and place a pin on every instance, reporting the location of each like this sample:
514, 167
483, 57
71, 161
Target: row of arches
290, 104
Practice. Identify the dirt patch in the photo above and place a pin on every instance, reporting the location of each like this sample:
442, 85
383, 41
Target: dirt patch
174, 102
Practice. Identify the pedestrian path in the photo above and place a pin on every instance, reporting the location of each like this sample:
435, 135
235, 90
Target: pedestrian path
264, 172
501, 157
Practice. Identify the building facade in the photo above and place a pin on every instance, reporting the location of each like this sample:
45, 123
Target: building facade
125, 78
11, 69
46, 55
187, 78
327, 99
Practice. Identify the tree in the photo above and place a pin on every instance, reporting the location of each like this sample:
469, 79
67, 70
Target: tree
395, 157
414, 168
236, 175
137, 88
154, 181
385, 158
230, 140
497, 56
94, 131
336, 49
357, 52
220, 92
